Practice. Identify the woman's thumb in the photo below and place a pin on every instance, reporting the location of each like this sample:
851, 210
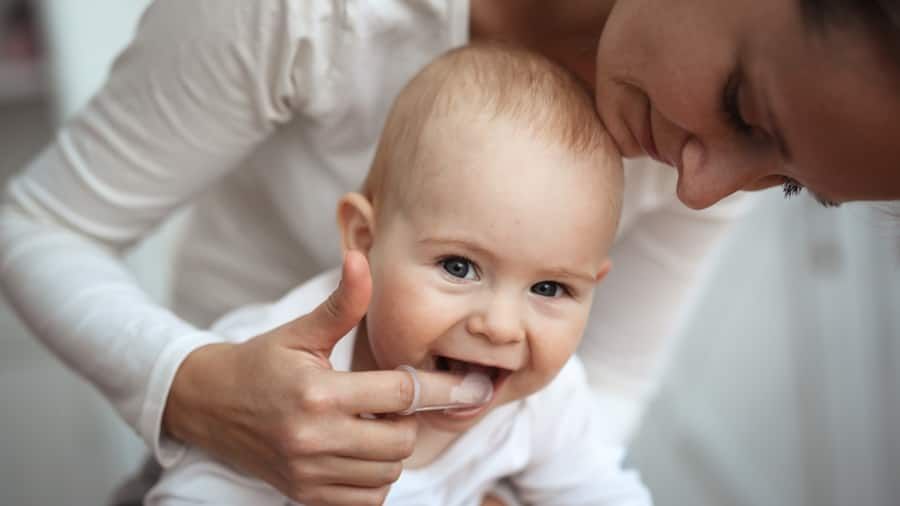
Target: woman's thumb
341, 311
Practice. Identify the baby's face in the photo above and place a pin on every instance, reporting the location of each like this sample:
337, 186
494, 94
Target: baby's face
490, 263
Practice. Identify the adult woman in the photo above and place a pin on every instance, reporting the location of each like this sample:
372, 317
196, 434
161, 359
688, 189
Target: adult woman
277, 104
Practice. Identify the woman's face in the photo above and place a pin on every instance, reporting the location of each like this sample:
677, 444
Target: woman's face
745, 94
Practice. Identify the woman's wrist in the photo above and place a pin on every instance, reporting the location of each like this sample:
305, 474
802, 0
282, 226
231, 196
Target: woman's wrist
194, 392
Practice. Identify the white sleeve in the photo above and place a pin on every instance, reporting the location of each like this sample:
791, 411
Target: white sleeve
631, 329
571, 463
201, 86
200, 479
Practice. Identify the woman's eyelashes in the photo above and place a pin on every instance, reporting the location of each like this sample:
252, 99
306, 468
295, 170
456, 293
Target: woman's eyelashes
792, 187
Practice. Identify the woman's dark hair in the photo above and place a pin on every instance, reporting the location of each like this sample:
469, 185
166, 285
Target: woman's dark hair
880, 18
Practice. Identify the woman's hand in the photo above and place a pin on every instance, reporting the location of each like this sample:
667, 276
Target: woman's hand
273, 407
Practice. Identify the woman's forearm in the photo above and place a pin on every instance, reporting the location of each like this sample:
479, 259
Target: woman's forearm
79, 299
200, 87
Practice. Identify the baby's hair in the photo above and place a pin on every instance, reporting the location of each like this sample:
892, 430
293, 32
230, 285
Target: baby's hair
486, 81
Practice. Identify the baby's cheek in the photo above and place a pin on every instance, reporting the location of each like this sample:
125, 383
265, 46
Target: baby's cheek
385, 341
386, 350
552, 348
401, 325
549, 359
394, 340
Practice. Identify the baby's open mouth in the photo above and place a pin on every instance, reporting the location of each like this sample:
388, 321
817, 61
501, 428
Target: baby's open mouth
463, 367
491, 378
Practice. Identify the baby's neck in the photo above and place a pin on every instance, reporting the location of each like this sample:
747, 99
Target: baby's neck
430, 443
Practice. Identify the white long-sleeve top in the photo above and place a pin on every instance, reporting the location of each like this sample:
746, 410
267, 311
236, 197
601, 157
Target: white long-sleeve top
550, 445
261, 114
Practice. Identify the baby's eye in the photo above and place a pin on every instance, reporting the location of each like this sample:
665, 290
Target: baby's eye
459, 267
548, 289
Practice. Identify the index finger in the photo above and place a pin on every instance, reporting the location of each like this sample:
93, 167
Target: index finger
382, 392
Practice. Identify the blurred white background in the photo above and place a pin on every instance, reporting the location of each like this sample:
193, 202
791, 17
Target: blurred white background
784, 390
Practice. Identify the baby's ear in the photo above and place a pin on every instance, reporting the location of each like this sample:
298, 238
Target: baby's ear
356, 221
604, 269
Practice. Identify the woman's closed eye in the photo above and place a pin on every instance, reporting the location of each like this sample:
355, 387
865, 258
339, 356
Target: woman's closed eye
459, 267
731, 106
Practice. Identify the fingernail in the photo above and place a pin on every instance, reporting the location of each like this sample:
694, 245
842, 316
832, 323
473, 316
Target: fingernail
476, 388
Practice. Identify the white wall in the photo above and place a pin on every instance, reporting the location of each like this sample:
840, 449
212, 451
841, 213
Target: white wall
785, 389
60, 442
82, 39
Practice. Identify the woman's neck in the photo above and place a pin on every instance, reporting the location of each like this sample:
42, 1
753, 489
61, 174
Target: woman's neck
565, 31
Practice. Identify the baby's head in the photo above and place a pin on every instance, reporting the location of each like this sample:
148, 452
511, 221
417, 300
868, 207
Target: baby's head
486, 219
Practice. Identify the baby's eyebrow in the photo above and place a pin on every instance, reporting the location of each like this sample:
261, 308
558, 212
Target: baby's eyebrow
552, 272
460, 243
568, 273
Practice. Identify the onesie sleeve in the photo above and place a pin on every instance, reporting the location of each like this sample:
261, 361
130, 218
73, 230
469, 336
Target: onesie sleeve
657, 266
202, 85
571, 462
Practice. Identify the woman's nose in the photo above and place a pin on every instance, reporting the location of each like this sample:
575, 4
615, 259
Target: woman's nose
706, 176
499, 321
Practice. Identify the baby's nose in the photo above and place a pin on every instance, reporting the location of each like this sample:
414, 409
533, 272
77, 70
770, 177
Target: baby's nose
500, 322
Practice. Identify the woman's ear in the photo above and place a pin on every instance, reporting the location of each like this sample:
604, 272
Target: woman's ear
356, 221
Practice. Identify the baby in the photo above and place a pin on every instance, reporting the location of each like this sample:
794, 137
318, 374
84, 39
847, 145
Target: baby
486, 219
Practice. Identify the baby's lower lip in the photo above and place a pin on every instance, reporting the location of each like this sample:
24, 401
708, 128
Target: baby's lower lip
470, 412
463, 413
